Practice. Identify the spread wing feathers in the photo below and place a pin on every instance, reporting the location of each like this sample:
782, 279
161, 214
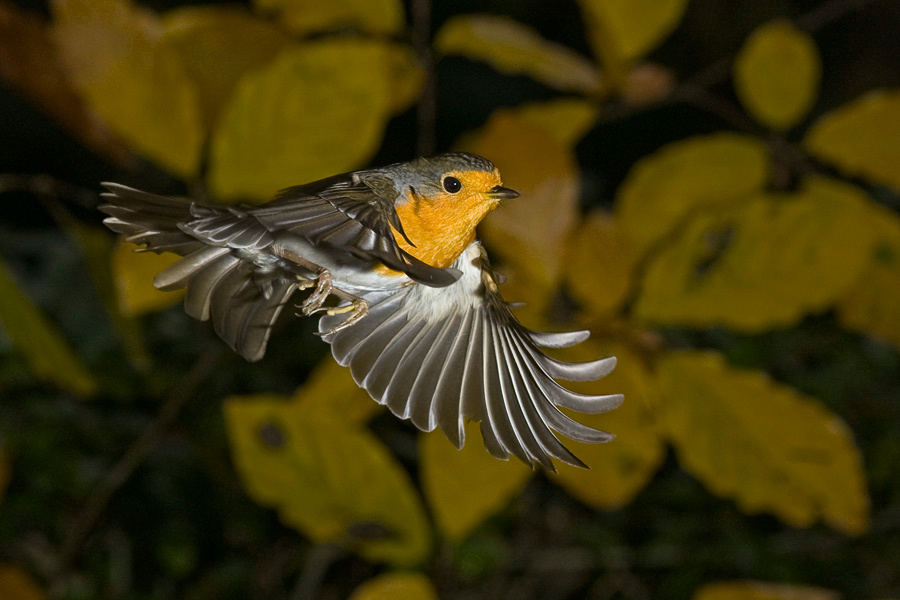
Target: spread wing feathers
472, 361
347, 215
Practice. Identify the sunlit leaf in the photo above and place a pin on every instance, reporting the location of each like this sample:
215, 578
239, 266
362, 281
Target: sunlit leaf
566, 119
43, 346
218, 44
870, 304
133, 274
529, 232
328, 477
599, 268
114, 55
319, 109
331, 387
763, 444
777, 73
758, 590
30, 63
628, 29
407, 77
861, 138
763, 264
17, 584
308, 16
465, 487
703, 171
396, 586
621, 468
516, 49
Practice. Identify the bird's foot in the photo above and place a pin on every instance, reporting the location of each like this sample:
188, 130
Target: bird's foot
358, 309
324, 288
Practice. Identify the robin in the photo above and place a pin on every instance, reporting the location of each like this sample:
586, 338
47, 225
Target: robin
408, 299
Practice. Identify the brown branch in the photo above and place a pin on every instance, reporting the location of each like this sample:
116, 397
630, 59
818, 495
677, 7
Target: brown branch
426, 110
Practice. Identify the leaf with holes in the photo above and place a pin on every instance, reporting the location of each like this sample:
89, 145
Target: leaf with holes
700, 172
763, 264
763, 444
328, 477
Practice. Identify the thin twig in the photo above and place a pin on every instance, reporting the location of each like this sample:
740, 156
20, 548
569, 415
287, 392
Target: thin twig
116, 477
426, 110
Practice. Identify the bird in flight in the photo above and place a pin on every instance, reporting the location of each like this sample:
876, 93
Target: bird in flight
407, 297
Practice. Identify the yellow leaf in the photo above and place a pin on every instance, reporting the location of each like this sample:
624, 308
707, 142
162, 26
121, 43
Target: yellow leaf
566, 119
330, 387
218, 44
310, 16
758, 590
407, 77
48, 354
133, 274
328, 477
530, 232
517, 49
763, 264
777, 73
599, 268
319, 109
17, 584
861, 138
621, 468
396, 586
630, 28
703, 171
465, 487
763, 444
870, 304
115, 56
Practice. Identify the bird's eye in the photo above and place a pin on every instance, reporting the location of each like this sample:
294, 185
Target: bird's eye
452, 184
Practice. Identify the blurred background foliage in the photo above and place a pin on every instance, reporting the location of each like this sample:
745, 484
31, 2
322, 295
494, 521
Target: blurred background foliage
710, 187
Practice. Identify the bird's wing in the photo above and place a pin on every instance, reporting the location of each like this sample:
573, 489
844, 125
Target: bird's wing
353, 213
440, 356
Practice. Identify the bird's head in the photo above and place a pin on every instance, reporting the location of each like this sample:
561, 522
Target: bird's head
442, 199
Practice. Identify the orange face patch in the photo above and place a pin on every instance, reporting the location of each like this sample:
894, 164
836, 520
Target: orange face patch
441, 227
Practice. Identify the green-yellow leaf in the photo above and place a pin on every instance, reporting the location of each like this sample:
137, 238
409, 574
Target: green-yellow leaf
43, 346
763, 444
465, 487
310, 16
133, 274
703, 171
217, 45
328, 477
319, 109
870, 304
627, 29
861, 138
18, 584
517, 49
407, 77
566, 119
331, 387
599, 268
621, 468
763, 264
530, 232
777, 73
758, 590
396, 586
115, 56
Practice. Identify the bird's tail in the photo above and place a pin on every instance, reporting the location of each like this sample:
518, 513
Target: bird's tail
243, 303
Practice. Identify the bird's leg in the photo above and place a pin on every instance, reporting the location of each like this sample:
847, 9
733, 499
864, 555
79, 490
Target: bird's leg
324, 283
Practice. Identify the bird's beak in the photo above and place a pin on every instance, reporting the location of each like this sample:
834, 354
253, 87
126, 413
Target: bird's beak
502, 193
